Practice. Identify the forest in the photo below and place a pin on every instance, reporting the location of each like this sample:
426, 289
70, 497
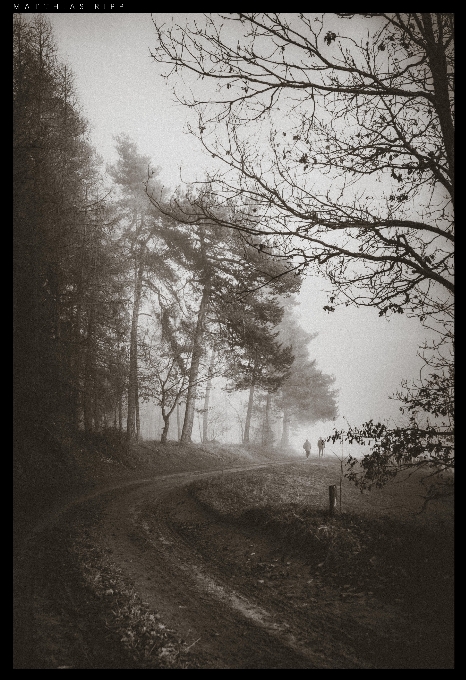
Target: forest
165, 514
122, 311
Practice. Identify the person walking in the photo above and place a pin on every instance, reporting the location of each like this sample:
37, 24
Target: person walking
321, 447
307, 447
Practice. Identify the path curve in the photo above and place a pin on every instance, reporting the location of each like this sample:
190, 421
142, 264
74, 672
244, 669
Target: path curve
228, 629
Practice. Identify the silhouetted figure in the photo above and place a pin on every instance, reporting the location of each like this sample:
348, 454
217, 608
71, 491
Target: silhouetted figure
321, 446
307, 447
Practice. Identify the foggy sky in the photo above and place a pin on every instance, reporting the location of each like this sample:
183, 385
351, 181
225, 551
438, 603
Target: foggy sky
119, 89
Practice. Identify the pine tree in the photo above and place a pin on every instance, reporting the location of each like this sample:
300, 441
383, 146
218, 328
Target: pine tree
55, 172
306, 396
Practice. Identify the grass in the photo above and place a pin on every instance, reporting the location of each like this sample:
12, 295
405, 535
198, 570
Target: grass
380, 541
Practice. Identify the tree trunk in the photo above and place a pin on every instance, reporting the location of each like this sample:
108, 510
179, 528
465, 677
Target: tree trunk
136, 407
77, 364
194, 369
166, 425
156, 423
286, 428
267, 435
178, 420
133, 366
438, 65
247, 424
208, 389
89, 372
120, 413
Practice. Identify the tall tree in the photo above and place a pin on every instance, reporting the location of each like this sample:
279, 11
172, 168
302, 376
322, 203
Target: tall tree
208, 389
164, 373
58, 229
364, 99
224, 269
258, 359
339, 130
197, 351
140, 225
306, 396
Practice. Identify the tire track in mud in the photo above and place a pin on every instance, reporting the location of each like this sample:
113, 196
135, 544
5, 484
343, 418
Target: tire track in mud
226, 630
50, 518
163, 524
156, 532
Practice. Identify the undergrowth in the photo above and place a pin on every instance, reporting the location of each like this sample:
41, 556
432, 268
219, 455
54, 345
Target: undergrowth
147, 642
97, 609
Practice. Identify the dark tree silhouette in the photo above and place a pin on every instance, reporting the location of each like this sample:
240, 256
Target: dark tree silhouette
336, 137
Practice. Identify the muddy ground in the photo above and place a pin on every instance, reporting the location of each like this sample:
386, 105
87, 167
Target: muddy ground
132, 574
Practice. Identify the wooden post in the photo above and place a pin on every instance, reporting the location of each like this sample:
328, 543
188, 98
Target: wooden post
332, 497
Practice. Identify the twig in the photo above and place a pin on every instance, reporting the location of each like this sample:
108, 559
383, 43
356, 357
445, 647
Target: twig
192, 645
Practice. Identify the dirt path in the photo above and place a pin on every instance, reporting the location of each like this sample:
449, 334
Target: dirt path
227, 630
228, 593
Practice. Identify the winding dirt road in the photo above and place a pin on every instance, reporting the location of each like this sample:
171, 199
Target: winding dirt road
182, 561
229, 630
